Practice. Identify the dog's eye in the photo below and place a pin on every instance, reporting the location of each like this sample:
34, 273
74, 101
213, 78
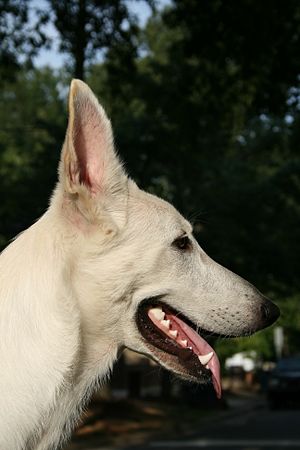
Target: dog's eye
183, 243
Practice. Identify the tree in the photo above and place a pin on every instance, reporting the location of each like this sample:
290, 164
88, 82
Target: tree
205, 108
31, 134
206, 81
201, 119
90, 27
21, 35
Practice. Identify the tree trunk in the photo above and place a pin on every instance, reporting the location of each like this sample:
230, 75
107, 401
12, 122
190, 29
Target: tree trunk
81, 42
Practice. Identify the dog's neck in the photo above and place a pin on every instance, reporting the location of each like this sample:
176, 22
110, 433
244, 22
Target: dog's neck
69, 358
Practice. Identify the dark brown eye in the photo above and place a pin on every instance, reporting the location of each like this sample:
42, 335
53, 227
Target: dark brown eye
183, 243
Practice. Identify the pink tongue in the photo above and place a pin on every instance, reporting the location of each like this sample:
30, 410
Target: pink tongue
198, 344
201, 347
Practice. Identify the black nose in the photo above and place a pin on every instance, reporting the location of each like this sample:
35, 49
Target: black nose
269, 313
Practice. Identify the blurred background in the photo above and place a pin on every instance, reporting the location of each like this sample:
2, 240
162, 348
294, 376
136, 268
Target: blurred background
204, 97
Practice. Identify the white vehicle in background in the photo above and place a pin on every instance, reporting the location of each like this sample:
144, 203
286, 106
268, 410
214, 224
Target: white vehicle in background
244, 360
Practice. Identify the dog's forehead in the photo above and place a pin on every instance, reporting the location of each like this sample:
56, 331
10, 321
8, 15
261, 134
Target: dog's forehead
156, 213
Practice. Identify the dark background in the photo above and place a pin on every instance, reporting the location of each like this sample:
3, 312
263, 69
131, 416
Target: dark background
205, 104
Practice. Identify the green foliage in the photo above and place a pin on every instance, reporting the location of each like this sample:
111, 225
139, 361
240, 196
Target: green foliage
21, 36
188, 120
201, 120
290, 320
90, 27
262, 342
205, 107
33, 120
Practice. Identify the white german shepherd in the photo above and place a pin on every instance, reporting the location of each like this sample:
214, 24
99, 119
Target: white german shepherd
107, 266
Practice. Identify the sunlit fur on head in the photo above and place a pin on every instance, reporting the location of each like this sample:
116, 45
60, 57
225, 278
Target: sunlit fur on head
71, 284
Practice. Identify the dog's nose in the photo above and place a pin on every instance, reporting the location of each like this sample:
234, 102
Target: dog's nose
269, 312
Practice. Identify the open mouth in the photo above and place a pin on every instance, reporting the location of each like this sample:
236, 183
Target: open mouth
176, 342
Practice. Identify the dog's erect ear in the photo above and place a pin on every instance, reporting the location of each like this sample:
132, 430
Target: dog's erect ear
88, 158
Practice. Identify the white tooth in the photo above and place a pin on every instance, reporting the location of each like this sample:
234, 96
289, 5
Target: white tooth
204, 359
157, 313
183, 343
165, 323
174, 333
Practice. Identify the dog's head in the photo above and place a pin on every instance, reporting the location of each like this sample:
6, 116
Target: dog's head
140, 278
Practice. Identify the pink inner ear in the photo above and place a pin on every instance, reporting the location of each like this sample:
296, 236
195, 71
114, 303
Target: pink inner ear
90, 144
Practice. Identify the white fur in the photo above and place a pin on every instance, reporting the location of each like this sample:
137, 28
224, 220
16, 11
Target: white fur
71, 283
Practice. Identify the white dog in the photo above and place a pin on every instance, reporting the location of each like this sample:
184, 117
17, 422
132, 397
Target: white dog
107, 266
